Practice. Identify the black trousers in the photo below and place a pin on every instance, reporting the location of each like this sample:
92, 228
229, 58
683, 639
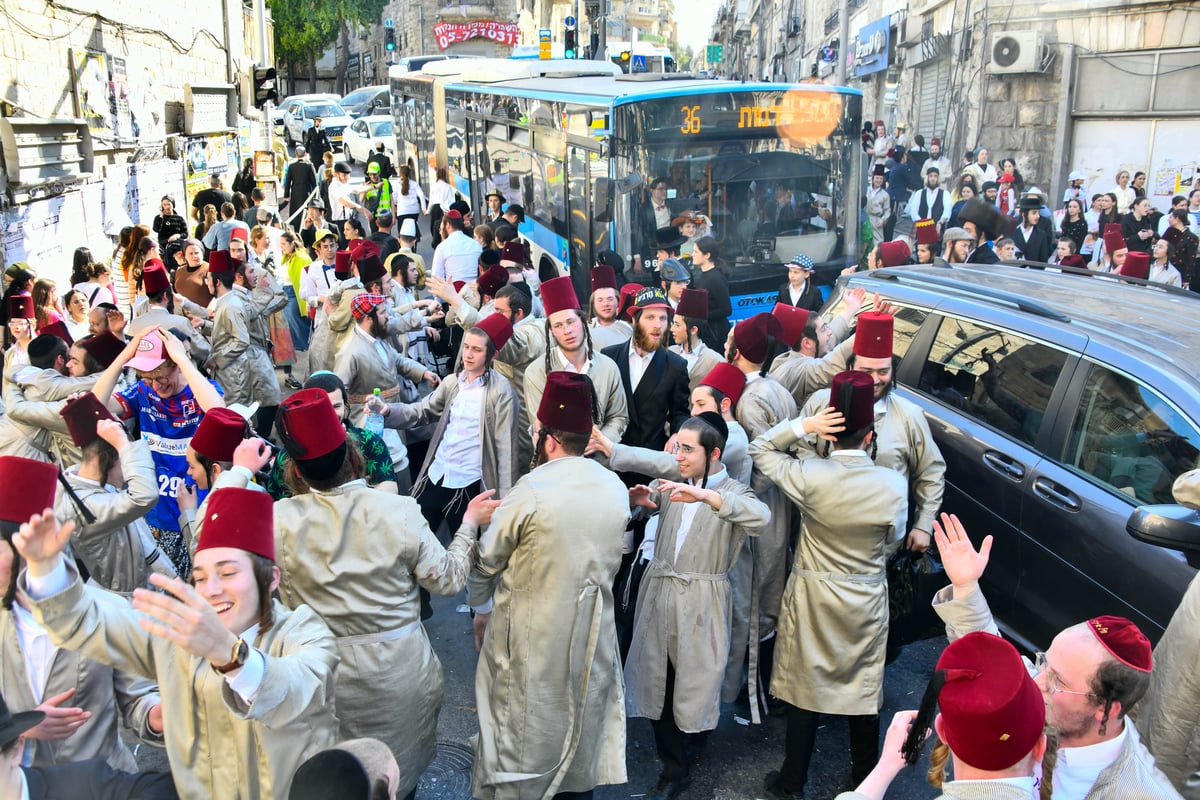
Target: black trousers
575, 795
439, 504
675, 748
802, 737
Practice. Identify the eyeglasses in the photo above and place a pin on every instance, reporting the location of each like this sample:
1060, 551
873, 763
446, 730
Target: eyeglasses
1052, 686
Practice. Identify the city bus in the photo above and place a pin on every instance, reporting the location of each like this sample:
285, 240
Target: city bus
774, 168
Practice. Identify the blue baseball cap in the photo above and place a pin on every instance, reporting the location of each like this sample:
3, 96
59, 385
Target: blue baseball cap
802, 261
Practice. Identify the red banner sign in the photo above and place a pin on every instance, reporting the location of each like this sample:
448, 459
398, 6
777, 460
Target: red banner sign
448, 33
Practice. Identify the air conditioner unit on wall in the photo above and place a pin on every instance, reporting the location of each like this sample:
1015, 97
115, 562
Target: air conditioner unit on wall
1014, 52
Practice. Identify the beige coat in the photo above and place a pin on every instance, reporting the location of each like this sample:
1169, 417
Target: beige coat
330, 329
34, 399
698, 367
606, 380
244, 367
113, 697
905, 445
356, 556
802, 375
834, 620
607, 335
219, 746
548, 686
498, 427
685, 605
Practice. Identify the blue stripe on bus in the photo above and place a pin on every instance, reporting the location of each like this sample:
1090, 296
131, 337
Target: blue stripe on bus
747, 305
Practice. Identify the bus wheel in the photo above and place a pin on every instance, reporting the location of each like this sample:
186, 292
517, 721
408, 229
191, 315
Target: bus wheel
546, 269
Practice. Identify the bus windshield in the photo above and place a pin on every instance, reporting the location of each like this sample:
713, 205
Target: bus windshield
770, 174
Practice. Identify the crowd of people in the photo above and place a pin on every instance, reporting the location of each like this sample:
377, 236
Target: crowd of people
921, 209
234, 477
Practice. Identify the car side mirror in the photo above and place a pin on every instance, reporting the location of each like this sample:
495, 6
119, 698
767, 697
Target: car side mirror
1173, 526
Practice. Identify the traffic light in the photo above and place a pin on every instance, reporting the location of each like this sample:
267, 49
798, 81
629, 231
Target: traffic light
264, 86
569, 44
625, 56
389, 39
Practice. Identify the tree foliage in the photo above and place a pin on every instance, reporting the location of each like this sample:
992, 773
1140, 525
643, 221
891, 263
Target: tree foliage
304, 28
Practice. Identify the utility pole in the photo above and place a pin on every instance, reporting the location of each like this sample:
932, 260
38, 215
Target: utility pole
260, 16
844, 49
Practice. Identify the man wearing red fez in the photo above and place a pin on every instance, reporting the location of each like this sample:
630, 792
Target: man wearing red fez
990, 727
366, 361
474, 447
551, 632
86, 700
241, 339
819, 349
604, 325
116, 482
764, 403
838, 583
248, 684
569, 348
168, 401
389, 683
1091, 676
334, 320
902, 437
878, 206
689, 330
34, 394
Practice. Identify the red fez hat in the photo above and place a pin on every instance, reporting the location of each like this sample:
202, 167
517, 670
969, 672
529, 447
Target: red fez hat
219, 262
603, 277
853, 395
219, 433
361, 248
1113, 240
793, 321
726, 379
493, 280
20, 306
1124, 641
566, 403
628, 293
498, 329
926, 231
240, 518
155, 278
1074, 260
752, 337
371, 269
873, 339
693, 304
29, 487
104, 347
240, 233
1137, 265
342, 261
935, 142
879, 169
1172, 235
454, 213
57, 328
513, 254
992, 711
364, 303
81, 416
894, 254
310, 426
879, 123
558, 294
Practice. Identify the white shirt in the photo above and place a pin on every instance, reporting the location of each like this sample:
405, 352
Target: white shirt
316, 280
691, 509
337, 191
411, 203
1166, 274
36, 648
441, 195
566, 366
457, 258
459, 459
637, 367
1079, 767
795, 294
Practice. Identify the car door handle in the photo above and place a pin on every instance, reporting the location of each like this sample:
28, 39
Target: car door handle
1002, 463
1058, 495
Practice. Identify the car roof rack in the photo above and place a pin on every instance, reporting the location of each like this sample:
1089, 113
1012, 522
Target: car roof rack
998, 295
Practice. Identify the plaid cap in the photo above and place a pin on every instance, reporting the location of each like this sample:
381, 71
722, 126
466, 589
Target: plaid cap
364, 304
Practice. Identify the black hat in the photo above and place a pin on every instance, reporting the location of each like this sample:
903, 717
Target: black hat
489, 258
714, 419
342, 167
669, 238
985, 216
461, 207
610, 257
13, 725
330, 773
1029, 202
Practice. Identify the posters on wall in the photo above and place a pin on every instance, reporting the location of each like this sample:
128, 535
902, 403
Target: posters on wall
118, 96
46, 232
1164, 149
92, 99
208, 155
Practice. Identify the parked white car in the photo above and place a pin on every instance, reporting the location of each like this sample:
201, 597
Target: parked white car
359, 140
298, 116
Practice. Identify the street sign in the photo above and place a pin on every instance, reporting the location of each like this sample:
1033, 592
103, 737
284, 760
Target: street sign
569, 22
714, 52
639, 64
387, 23
545, 37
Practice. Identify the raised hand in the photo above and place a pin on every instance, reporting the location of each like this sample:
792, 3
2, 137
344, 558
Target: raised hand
112, 432
599, 443
963, 563
640, 496
40, 540
60, 723
184, 617
481, 508
685, 492
253, 454
825, 423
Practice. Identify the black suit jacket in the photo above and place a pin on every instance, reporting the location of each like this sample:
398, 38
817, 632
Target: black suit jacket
661, 400
96, 780
1036, 248
983, 254
811, 298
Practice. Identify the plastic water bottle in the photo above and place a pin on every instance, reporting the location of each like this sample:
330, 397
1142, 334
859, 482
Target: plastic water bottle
374, 422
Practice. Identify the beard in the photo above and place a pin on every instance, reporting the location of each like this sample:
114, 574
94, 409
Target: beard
539, 455
645, 342
378, 329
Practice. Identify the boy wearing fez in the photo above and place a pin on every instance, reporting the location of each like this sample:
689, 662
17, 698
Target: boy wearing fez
247, 685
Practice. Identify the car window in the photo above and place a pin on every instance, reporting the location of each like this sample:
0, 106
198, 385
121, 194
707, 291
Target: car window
1129, 438
382, 128
1001, 379
323, 110
908, 320
358, 126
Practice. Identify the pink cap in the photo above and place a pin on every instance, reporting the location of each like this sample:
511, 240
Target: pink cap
150, 355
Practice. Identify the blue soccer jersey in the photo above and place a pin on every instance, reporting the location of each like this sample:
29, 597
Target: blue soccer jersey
167, 425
